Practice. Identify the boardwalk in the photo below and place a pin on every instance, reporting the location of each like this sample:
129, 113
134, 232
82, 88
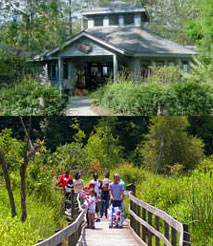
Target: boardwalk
110, 237
79, 106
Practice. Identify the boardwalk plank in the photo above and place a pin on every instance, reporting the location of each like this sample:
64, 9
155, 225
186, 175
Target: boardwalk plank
104, 236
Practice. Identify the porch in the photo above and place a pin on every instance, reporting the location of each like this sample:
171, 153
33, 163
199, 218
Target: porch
83, 72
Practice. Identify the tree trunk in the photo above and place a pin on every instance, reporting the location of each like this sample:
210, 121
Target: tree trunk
8, 184
23, 191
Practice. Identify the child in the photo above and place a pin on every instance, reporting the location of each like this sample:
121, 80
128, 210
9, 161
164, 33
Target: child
91, 208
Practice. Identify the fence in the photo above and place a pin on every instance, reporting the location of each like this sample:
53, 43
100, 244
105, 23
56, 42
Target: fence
74, 234
154, 226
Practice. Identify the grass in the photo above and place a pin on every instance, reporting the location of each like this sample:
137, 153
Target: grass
43, 220
189, 198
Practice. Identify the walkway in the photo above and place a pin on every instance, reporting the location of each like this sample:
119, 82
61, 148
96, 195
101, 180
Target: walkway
79, 106
104, 236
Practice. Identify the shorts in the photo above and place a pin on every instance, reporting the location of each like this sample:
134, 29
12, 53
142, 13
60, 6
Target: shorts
91, 211
116, 204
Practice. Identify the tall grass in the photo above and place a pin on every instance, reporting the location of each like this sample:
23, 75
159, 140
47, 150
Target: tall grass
43, 219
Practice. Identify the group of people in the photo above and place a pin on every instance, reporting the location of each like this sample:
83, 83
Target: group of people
97, 195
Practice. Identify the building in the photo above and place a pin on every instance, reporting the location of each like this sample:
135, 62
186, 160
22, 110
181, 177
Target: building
115, 37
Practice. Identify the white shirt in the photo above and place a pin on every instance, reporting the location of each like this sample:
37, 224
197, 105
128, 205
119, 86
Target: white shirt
93, 200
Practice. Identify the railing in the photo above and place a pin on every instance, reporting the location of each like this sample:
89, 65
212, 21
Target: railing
154, 226
74, 234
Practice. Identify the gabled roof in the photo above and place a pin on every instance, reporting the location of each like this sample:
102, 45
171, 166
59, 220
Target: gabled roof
140, 42
131, 41
114, 7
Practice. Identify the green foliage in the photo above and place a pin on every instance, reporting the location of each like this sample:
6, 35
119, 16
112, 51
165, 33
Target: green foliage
103, 148
130, 174
165, 74
179, 98
43, 220
189, 199
168, 143
12, 148
29, 97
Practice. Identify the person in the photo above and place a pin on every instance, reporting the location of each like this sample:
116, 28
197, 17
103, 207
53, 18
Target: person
78, 182
97, 186
123, 183
64, 179
116, 191
105, 196
91, 208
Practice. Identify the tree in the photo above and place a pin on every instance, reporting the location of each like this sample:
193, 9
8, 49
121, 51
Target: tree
103, 147
168, 143
29, 152
10, 150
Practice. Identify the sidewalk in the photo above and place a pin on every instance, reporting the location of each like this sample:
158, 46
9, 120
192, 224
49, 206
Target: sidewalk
79, 106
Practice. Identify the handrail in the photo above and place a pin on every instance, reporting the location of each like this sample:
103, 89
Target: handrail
74, 233
163, 227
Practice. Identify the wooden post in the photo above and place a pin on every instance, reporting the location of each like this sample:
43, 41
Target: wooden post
186, 236
149, 233
143, 227
166, 231
115, 68
174, 237
72, 204
60, 73
157, 225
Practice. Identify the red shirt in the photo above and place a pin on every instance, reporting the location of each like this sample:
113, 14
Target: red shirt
64, 180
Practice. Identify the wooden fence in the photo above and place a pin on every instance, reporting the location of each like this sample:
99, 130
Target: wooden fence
154, 226
74, 234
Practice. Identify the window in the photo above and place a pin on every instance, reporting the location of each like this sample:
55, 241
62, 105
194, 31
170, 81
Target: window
185, 66
113, 20
98, 21
129, 19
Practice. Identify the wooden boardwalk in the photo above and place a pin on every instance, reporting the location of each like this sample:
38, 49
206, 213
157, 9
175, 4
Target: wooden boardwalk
104, 236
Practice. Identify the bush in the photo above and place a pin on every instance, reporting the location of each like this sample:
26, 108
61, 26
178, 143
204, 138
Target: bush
148, 99
31, 98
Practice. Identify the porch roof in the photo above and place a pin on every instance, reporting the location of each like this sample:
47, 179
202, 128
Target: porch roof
141, 42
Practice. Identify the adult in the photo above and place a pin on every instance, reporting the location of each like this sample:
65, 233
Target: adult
97, 186
105, 196
78, 182
65, 179
116, 191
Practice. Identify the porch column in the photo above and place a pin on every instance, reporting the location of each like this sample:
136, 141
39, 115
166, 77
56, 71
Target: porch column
115, 68
137, 70
60, 73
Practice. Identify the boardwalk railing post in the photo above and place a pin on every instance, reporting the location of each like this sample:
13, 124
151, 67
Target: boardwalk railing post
166, 231
143, 227
186, 236
149, 233
157, 225
174, 237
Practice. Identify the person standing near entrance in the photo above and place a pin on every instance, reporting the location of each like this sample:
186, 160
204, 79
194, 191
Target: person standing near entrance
65, 179
97, 186
116, 191
105, 195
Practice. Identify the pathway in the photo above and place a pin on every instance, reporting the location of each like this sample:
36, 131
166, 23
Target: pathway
104, 236
79, 106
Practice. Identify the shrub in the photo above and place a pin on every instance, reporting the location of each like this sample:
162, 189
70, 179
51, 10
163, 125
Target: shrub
30, 97
148, 99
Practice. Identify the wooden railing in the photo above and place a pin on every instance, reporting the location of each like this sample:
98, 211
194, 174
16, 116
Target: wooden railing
154, 226
74, 234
